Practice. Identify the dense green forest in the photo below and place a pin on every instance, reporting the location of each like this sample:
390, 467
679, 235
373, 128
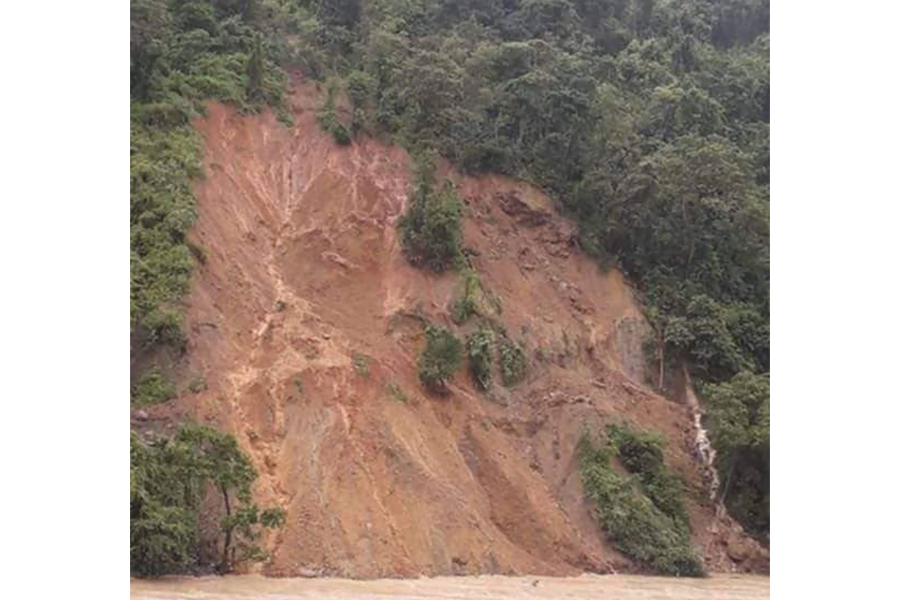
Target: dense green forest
648, 121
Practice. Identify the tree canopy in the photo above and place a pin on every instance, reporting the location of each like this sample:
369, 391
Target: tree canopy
173, 481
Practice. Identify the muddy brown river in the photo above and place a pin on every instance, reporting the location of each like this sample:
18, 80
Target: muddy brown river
595, 587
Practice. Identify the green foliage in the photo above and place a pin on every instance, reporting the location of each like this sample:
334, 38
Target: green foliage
361, 364
512, 361
430, 230
197, 385
162, 211
440, 358
256, 71
466, 305
641, 453
152, 387
396, 392
633, 522
329, 121
738, 420
480, 347
170, 480
182, 53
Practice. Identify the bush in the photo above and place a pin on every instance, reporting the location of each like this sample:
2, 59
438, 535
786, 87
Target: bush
361, 364
396, 392
481, 356
152, 388
466, 305
738, 421
169, 481
633, 523
441, 357
641, 453
329, 121
512, 362
431, 230
328, 118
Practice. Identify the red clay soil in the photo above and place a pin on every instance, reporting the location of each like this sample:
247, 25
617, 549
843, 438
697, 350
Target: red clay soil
305, 321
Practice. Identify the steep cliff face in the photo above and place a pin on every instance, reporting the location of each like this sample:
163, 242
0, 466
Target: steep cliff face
305, 323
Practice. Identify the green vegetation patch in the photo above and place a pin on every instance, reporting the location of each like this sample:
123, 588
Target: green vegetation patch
361, 364
152, 387
441, 357
635, 525
641, 453
738, 421
396, 392
183, 53
328, 118
480, 348
513, 366
431, 228
170, 479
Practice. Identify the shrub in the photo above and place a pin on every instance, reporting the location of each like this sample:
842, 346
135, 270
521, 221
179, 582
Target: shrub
441, 357
512, 362
738, 421
430, 230
361, 364
328, 119
152, 388
633, 523
466, 306
641, 453
197, 385
396, 392
481, 357
169, 480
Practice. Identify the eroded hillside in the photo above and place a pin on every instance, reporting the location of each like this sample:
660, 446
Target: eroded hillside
305, 323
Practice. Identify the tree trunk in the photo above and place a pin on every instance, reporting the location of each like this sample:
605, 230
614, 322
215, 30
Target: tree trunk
662, 362
728, 481
224, 567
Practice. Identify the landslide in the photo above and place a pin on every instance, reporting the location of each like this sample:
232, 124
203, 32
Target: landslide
305, 320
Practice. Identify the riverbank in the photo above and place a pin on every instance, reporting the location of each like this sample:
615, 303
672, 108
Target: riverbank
492, 587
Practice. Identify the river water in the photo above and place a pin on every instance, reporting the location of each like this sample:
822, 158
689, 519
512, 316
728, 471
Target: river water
594, 587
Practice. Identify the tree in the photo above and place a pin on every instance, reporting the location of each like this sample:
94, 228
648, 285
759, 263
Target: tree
430, 230
441, 357
151, 27
738, 418
255, 71
170, 483
217, 460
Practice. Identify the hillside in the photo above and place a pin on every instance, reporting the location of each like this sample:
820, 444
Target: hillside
304, 325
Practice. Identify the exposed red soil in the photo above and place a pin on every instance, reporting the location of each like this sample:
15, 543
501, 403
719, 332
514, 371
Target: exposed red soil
304, 274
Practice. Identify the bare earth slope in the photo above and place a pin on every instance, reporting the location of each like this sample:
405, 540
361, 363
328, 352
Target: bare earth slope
304, 322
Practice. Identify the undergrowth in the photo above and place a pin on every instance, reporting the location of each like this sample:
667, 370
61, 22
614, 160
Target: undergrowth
641, 453
431, 228
440, 358
635, 525
152, 387
512, 361
480, 347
